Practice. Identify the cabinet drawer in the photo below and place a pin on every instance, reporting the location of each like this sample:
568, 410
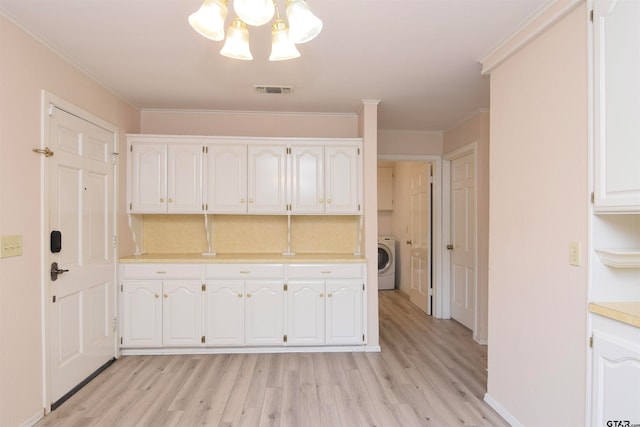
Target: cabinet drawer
162, 271
244, 271
322, 271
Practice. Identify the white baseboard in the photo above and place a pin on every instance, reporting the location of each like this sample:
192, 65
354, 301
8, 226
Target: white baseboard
31, 421
502, 411
372, 349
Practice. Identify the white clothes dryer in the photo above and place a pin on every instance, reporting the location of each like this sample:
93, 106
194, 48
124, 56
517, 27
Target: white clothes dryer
386, 263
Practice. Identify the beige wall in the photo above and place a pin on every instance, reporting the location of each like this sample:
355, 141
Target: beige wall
409, 142
476, 129
27, 67
538, 205
236, 123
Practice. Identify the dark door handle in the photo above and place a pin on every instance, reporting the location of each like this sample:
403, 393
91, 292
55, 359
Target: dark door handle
450, 247
55, 271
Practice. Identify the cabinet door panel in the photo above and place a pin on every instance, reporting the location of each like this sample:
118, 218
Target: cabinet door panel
182, 314
305, 313
616, 379
307, 179
224, 321
264, 314
344, 312
267, 179
617, 105
226, 178
148, 178
342, 179
184, 180
142, 314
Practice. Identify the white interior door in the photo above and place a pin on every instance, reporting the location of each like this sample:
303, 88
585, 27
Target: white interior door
420, 232
463, 238
81, 206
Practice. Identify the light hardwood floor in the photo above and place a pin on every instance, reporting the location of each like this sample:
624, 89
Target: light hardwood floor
430, 373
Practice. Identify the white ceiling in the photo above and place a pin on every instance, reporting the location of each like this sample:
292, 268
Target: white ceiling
418, 57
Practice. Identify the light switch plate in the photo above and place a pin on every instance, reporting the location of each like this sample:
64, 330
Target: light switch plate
574, 254
10, 246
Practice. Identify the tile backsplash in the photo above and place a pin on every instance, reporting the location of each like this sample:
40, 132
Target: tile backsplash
250, 233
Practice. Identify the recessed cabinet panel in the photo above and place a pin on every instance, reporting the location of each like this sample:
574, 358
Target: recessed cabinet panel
344, 312
267, 179
264, 316
184, 180
182, 314
617, 105
142, 314
306, 313
148, 178
307, 179
342, 170
226, 178
224, 322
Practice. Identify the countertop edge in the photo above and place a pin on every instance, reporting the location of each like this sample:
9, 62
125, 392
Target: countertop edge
625, 312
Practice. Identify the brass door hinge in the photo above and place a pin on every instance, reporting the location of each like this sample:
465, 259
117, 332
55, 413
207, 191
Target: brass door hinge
286, 287
54, 298
202, 340
120, 340
593, 197
204, 288
363, 338
284, 338
591, 341
591, 15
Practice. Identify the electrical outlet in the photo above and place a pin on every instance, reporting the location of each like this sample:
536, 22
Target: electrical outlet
10, 246
574, 254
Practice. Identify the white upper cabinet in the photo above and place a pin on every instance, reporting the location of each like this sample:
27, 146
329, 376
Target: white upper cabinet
225, 182
184, 178
165, 177
307, 179
267, 175
342, 179
617, 106
148, 178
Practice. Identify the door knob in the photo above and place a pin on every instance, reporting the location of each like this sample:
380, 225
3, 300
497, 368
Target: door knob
55, 271
450, 247
409, 242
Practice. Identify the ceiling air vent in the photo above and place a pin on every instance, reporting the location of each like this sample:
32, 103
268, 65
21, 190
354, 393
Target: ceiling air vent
278, 90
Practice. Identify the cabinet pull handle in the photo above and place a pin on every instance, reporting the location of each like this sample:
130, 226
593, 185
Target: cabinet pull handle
245, 271
325, 272
161, 272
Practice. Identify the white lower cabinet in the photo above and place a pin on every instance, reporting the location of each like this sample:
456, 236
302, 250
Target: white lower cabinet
241, 305
157, 313
616, 373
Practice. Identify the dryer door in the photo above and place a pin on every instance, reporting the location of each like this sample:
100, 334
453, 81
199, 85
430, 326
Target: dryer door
384, 258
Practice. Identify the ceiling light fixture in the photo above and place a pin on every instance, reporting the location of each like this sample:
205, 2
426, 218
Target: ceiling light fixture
303, 26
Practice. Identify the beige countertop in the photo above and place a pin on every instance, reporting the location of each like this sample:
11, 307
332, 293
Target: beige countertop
245, 258
626, 312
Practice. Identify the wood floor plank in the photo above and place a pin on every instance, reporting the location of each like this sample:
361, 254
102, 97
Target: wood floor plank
430, 372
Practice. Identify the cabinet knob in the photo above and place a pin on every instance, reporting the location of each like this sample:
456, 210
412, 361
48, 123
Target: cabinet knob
157, 296
250, 200
242, 200
170, 200
239, 295
321, 295
328, 200
320, 201
166, 296
161, 200
248, 295
329, 295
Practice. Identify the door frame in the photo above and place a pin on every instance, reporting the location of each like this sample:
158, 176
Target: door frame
471, 148
440, 307
48, 99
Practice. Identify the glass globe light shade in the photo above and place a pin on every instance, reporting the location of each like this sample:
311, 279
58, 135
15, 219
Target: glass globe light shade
208, 21
237, 43
254, 12
303, 24
281, 47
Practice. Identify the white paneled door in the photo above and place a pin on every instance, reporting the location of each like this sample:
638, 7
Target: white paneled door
420, 232
81, 291
463, 237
